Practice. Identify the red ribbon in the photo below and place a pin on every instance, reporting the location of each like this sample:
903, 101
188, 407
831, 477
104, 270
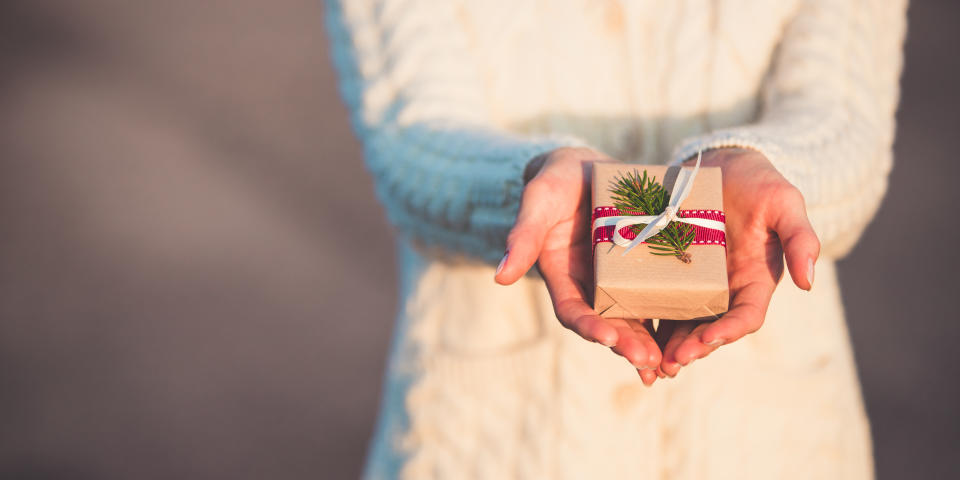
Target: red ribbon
702, 235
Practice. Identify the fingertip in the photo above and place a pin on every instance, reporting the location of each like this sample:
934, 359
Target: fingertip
801, 251
670, 368
688, 352
608, 339
678, 333
653, 357
711, 338
505, 278
498, 274
802, 271
801, 245
686, 356
639, 357
798, 272
594, 329
647, 376
632, 351
513, 266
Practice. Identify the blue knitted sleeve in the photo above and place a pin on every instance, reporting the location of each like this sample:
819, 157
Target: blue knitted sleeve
446, 175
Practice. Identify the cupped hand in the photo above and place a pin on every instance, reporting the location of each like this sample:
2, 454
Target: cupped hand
766, 221
552, 231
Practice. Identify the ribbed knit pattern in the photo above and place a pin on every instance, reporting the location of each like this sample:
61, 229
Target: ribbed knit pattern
828, 118
451, 98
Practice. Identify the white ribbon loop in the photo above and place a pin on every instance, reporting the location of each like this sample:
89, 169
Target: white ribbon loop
656, 223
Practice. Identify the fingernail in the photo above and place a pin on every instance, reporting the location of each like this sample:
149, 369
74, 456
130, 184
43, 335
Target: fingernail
714, 343
608, 343
502, 262
810, 273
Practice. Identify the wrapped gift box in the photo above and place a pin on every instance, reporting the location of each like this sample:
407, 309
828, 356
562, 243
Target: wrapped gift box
649, 280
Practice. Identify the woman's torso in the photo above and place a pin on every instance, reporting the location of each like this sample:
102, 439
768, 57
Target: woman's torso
482, 378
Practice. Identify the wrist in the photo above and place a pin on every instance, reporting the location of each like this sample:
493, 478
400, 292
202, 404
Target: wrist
568, 155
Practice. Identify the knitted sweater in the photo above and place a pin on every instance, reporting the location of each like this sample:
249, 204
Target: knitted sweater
451, 99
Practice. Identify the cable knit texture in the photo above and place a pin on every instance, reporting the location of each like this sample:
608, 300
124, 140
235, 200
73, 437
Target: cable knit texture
451, 98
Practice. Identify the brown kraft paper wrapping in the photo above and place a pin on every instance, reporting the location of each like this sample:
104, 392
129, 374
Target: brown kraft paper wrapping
641, 285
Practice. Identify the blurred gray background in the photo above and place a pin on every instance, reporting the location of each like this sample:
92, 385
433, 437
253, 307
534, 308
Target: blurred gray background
179, 297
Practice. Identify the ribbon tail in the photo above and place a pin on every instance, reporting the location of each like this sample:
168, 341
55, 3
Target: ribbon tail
684, 184
650, 230
622, 221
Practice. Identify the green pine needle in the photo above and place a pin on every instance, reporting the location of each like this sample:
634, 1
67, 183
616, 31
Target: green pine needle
636, 192
642, 194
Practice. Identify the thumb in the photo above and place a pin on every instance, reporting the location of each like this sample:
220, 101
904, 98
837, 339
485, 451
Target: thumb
526, 238
801, 247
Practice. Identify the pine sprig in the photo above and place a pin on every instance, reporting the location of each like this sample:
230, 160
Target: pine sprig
636, 192
642, 193
673, 241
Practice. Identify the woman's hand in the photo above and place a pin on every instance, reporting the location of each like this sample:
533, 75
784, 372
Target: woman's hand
552, 230
766, 220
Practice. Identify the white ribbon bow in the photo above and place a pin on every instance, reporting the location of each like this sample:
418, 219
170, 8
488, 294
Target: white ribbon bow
655, 223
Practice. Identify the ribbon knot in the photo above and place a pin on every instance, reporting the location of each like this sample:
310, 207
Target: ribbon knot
656, 223
669, 214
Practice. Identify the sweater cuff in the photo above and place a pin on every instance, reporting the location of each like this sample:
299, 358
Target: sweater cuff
747, 138
526, 152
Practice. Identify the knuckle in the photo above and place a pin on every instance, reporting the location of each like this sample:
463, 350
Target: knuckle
753, 322
566, 322
541, 191
536, 188
563, 311
779, 190
522, 230
804, 239
790, 195
516, 234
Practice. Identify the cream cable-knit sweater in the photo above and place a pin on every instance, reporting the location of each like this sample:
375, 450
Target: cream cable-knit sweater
451, 98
